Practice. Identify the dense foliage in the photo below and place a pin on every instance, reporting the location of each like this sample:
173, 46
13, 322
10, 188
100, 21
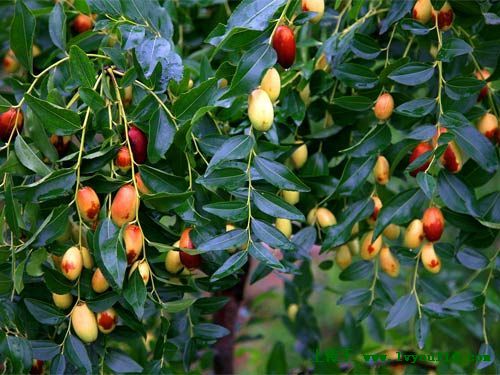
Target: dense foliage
128, 125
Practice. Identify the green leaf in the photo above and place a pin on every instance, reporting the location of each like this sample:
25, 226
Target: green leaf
12, 209
161, 135
37, 258
453, 47
29, 158
77, 354
55, 119
91, 98
460, 88
465, 301
228, 240
456, 195
209, 305
278, 175
250, 69
365, 46
227, 178
165, 202
357, 271
209, 331
487, 355
275, 206
354, 103
58, 365
355, 297
119, 362
356, 171
43, 312
276, 363
103, 301
355, 75
263, 254
235, 148
427, 183
412, 74
18, 351
22, 32
135, 293
56, 282
109, 253
44, 350
372, 143
472, 259
403, 310
53, 186
270, 235
230, 266
416, 108
160, 181
401, 209
422, 329
232, 210
81, 67
398, 9
18, 277
178, 306
57, 26
201, 96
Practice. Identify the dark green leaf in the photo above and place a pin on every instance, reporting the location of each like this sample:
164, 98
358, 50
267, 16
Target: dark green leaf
354, 103
57, 26
44, 350
416, 108
465, 301
263, 254
276, 363
161, 135
422, 329
358, 76
403, 310
22, 31
357, 271
471, 258
43, 312
135, 293
231, 265
77, 354
456, 195
453, 47
228, 240
120, 363
208, 331
81, 67
278, 175
232, 210
355, 297
29, 158
275, 206
412, 74
487, 356
91, 98
234, 148
270, 235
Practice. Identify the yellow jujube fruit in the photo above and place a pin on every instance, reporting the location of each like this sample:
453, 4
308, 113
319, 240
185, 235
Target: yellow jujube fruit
271, 84
260, 110
299, 156
284, 226
414, 234
84, 322
290, 196
369, 247
63, 301
325, 217
389, 263
343, 257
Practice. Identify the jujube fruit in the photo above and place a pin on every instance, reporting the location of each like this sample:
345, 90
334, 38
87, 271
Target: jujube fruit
452, 156
106, 320
292, 311
63, 301
377, 206
260, 110
488, 126
123, 159
144, 270
88, 261
422, 11
325, 217
414, 234
299, 156
271, 84
343, 257
8, 121
392, 232
421, 149
189, 261
370, 247
99, 282
84, 322
133, 238
290, 196
284, 45
381, 171
483, 75
284, 226
317, 6
10, 62
61, 143
82, 23
389, 263
433, 223
143, 189
444, 17
430, 260
173, 262
72, 263
128, 94
36, 367
354, 246
88, 204
311, 216
384, 106
138, 144
124, 206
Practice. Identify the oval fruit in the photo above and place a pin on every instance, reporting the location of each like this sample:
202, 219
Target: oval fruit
369, 247
483, 75
106, 320
72, 263
381, 170
433, 223
128, 91
260, 110
305, 94
389, 263
430, 260
292, 311
189, 261
99, 282
422, 11
325, 217
10, 62
354, 246
88, 261
61, 143
143, 189
377, 205
143, 268
8, 121
299, 156
317, 6
392, 232
445, 17
133, 238
123, 159
271, 84
290, 196
124, 206
138, 144
414, 234
88, 203
36, 367
84, 322
284, 226
63, 301
343, 257
173, 262
384, 106
421, 149
311, 216
488, 126
82, 23
284, 45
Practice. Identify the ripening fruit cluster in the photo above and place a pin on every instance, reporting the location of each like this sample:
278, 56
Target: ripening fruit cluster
179, 260
423, 11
